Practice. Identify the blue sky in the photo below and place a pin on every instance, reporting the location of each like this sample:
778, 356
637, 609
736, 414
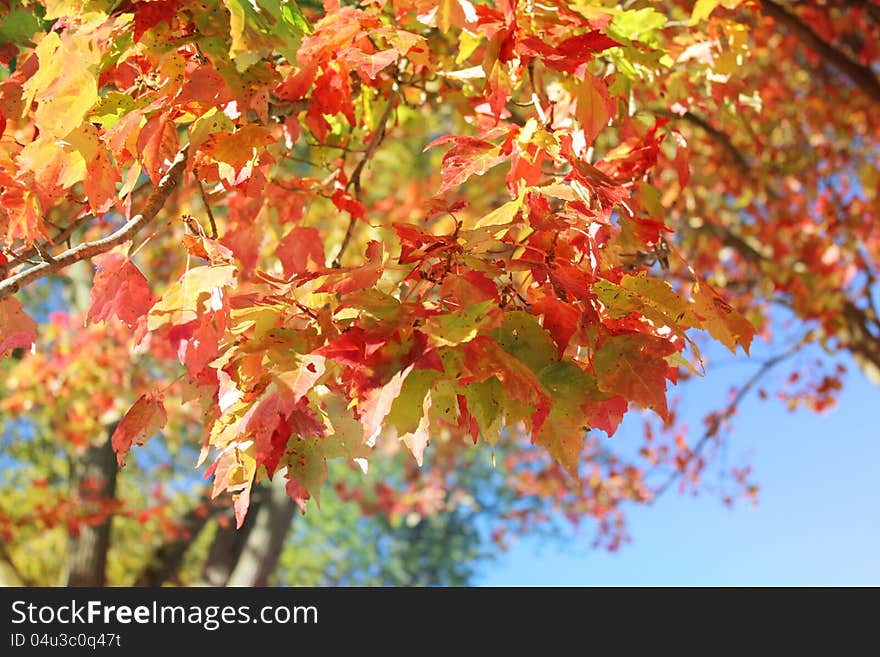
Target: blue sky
817, 522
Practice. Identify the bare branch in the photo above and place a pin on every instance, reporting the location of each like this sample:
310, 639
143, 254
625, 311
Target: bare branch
87, 250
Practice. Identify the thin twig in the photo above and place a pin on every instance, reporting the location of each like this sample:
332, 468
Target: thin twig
355, 180
715, 425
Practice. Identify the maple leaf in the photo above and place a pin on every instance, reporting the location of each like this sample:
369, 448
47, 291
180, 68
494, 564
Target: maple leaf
297, 492
308, 466
157, 145
560, 320
303, 378
139, 424
119, 289
566, 426
64, 86
724, 322
594, 107
469, 156
418, 439
633, 367
571, 55
184, 300
377, 403
345, 281
463, 325
523, 337
17, 330
149, 14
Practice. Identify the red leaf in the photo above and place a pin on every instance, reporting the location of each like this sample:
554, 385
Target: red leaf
119, 289
144, 419
368, 65
358, 278
606, 415
157, 145
560, 320
17, 330
594, 107
298, 494
469, 156
149, 14
298, 247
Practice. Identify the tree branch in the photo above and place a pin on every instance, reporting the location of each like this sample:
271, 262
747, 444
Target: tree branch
862, 76
717, 135
86, 250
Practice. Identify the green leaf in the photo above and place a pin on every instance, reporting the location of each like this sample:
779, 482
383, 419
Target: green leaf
524, 338
487, 401
406, 411
308, 465
637, 24
463, 325
566, 426
19, 25
257, 28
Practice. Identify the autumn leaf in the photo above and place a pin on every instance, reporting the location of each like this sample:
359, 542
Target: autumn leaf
724, 322
594, 107
64, 86
185, 299
157, 145
469, 156
358, 278
566, 426
139, 424
298, 249
119, 289
633, 367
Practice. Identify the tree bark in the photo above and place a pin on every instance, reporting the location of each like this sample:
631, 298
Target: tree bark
262, 550
229, 543
93, 479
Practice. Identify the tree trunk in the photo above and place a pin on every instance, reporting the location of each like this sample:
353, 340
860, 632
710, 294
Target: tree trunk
93, 479
229, 544
262, 550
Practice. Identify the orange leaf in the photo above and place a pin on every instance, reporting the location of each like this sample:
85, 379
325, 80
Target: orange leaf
157, 145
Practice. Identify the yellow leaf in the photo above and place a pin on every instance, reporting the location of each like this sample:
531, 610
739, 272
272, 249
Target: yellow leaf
184, 299
64, 86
